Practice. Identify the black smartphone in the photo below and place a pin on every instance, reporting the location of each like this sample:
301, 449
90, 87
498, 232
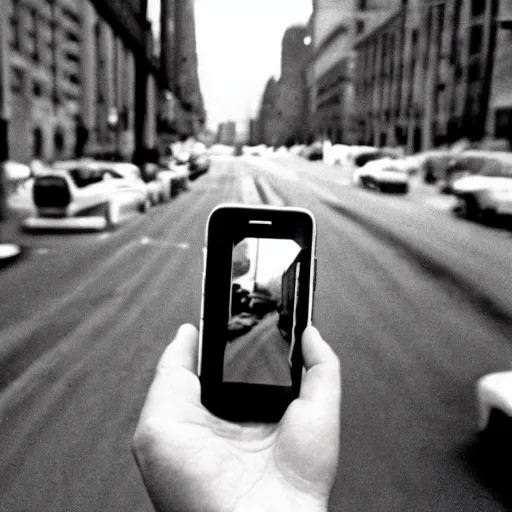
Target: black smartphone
258, 286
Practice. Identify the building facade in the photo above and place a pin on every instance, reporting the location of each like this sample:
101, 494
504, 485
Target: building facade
227, 133
283, 114
180, 67
75, 67
435, 72
335, 27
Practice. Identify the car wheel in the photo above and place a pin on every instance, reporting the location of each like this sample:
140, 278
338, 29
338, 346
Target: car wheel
471, 208
489, 216
145, 206
111, 216
372, 184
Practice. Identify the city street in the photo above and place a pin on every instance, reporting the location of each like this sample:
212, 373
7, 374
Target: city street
416, 303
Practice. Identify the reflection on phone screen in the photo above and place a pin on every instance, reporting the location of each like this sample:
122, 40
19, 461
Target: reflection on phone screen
262, 308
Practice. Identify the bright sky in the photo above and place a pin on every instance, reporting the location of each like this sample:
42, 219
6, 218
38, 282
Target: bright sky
239, 49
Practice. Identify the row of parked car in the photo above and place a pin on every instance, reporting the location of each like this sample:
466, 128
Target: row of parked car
481, 180
97, 194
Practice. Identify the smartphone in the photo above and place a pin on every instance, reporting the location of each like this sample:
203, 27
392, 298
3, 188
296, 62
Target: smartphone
258, 285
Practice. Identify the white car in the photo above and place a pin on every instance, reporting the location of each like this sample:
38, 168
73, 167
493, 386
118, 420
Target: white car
86, 195
488, 192
173, 175
15, 175
494, 411
494, 393
383, 174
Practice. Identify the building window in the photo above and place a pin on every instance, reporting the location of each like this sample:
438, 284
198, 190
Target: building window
474, 72
37, 89
475, 43
15, 25
71, 36
362, 5
33, 35
359, 26
17, 81
477, 7
38, 143
72, 57
58, 140
503, 123
73, 78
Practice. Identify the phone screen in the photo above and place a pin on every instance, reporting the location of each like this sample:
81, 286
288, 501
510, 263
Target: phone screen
262, 311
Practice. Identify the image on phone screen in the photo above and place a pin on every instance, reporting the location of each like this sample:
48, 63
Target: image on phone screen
262, 311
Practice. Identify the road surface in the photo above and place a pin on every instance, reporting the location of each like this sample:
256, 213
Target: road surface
417, 304
259, 356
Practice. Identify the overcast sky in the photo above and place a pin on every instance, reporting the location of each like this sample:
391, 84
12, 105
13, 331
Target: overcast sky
239, 48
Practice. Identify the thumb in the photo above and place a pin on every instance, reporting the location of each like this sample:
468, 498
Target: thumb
176, 377
181, 352
322, 381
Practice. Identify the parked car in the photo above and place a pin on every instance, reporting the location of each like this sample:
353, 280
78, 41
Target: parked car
87, 195
174, 177
494, 414
484, 185
240, 324
199, 164
383, 174
314, 151
461, 164
433, 164
157, 189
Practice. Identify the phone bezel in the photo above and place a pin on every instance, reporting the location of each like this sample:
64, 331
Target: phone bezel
244, 401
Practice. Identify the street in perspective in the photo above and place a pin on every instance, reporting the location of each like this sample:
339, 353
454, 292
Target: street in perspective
124, 124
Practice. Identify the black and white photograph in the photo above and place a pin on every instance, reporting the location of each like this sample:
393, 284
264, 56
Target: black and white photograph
170, 340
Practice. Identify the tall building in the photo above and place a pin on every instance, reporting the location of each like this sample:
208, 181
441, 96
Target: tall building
283, 110
269, 122
180, 67
335, 27
227, 133
187, 77
73, 68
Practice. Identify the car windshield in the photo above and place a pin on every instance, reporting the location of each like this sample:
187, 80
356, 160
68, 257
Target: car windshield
364, 158
85, 176
471, 164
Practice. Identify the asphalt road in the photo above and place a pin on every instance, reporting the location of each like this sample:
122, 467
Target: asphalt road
416, 303
259, 356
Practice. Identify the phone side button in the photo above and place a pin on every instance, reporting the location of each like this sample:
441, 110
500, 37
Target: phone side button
314, 276
200, 348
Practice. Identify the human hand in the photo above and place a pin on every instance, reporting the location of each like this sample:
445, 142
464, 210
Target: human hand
192, 460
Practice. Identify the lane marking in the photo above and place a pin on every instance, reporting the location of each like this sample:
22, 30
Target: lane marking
146, 240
